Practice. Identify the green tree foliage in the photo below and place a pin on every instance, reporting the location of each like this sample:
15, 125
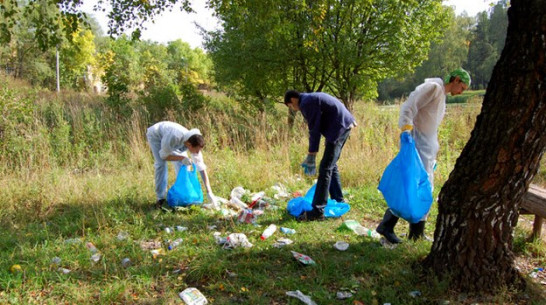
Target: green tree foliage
487, 44
445, 55
77, 60
343, 47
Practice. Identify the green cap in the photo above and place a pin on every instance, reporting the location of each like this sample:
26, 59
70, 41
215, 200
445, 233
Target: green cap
461, 73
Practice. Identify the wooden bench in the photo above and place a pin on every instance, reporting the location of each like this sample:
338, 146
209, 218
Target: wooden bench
534, 202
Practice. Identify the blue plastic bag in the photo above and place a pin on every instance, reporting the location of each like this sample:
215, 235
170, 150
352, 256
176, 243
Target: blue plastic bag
186, 190
405, 183
298, 205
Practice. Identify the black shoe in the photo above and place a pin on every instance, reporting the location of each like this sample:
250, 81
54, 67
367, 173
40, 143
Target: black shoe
312, 215
386, 227
160, 203
417, 231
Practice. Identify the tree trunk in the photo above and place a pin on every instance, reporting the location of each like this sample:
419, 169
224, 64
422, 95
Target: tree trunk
479, 204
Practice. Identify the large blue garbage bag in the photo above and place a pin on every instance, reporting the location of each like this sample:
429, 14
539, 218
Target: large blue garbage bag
405, 183
186, 190
298, 205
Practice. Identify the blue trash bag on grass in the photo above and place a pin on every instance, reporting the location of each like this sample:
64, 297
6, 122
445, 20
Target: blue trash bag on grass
186, 190
298, 205
405, 185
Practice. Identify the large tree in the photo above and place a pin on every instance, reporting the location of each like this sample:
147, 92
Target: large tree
479, 204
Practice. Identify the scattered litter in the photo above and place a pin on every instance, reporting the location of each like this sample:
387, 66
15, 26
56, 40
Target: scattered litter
341, 245
246, 216
235, 200
15, 268
302, 258
415, 293
231, 274
288, 230
219, 239
281, 242
71, 241
150, 245
342, 295
169, 230
227, 213
386, 244
122, 235
96, 257
56, 260
181, 228
235, 240
157, 252
192, 296
64, 270
256, 200
175, 243
126, 262
91, 247
212, 227
280, 191
268, 231
300, 296
357, 228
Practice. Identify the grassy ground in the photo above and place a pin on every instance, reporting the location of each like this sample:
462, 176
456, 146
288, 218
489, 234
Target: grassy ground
104, 191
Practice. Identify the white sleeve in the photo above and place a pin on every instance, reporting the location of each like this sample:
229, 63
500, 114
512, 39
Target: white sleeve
199, 163
420, 97
168, 143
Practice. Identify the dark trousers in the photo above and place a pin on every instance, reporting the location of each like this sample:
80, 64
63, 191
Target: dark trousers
328, 178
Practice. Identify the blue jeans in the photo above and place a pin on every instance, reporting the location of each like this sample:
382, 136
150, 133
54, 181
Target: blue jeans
328, 179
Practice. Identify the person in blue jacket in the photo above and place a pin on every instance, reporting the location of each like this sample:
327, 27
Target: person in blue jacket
326, 116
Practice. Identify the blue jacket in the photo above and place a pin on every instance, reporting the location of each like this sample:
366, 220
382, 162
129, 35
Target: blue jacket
325, 115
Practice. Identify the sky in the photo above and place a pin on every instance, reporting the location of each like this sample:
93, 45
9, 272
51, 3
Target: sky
180, 25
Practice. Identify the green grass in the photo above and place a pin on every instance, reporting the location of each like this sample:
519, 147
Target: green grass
84, 174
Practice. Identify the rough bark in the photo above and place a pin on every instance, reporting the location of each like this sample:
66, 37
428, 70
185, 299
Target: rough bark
479, 204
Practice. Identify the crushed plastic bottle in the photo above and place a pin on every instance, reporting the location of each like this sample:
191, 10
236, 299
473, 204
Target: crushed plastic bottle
56, 260
268, 231
169, 230
288, 230
175, 243
91, 247
126, 262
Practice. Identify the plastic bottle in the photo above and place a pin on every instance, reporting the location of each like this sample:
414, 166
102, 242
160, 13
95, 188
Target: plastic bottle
268, 231
175, 243
288, 230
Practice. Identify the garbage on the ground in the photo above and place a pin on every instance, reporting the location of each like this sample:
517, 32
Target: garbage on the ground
341, 245
122, 235
96, 257
357, 228
342, 295
169, 230
297, 206
91, 247
300, 296
63, 270
181, 228
415, 293
157, 252
280, 191
235, 240
256, 200
235, 200
192, 296
72, 241
56, 260
126, 262
268, 231
288, 230
246, 216
281, 242
15, 268
386, 244
231, 274
219, 239
175, 243
227, 213
303, 259
212, 227
150, 244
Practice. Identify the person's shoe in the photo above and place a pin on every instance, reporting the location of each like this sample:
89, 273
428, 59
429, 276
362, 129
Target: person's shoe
386, 227
160, 203
417, 231
313, 215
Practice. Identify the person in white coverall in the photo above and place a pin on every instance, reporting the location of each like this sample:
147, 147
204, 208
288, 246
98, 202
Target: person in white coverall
170, 141
421, 115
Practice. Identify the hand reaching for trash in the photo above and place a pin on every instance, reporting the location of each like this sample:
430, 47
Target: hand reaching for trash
309, 165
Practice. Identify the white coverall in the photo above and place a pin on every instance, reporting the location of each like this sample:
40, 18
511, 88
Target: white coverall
165, 139
424, 110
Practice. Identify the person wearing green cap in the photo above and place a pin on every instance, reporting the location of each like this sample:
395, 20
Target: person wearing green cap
421, 115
